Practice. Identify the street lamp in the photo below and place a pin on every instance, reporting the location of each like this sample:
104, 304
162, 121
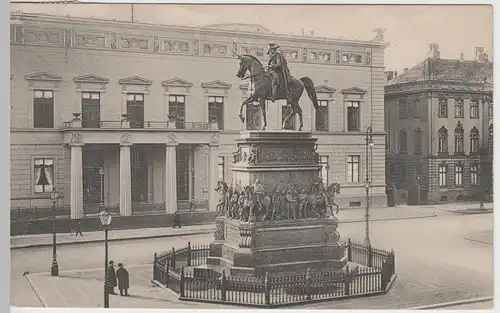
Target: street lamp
105, 219
101, 177
369, 144
54, 269
418, 189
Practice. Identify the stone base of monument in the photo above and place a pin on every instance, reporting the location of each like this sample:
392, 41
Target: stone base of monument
288, 247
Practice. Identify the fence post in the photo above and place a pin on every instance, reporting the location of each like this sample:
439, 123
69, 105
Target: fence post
370, 255
347, 281
189, 254
308, 284
223, 285
393, 262
155, 259
349, 250
267, 290
167, 274
182, 282
173, 257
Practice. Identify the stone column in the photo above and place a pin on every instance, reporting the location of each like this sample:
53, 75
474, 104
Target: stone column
76, 188
171, 175
125, 177
212, 172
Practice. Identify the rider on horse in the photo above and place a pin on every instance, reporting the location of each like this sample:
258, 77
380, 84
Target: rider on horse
278, 68
320, 190
258, 191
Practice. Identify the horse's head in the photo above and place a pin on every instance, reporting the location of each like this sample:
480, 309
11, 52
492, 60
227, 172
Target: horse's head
243, 65
333, 189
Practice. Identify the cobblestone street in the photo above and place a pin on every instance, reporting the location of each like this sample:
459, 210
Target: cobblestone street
434, 263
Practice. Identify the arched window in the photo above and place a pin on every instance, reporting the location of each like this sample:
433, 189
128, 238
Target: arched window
459, 138
402, 141
443, 140
474, 140
459, 108
474, 174
403, 110
417, 134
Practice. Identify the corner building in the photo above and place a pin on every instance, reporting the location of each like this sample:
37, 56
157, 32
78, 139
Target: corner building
439, 122
152, 111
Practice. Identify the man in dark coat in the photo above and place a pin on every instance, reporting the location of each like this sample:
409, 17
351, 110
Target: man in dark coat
123, 282
278, 68
111, 278
177, 219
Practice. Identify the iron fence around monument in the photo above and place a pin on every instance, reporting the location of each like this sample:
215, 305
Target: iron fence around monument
181, 271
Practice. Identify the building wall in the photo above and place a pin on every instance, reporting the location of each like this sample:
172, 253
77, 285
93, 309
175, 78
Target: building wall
68, 58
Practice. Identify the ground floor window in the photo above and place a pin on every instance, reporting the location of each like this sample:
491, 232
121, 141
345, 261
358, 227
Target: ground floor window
44, 175
443, 172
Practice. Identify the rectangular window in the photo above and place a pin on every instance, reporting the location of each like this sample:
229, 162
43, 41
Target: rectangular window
322, 116
474, 174
490, 109
417, 108
285, 111
353, 168
324, 168
474, 142
177, 110
418, 141
135, 109
43, 109
91, 109
353, 116
443, 108
474, 109
459, 175
459, 108
403, 109
216, 111
44, 175
443, 172
220, 168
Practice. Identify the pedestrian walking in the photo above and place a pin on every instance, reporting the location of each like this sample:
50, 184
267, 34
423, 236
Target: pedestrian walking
111, 278
177, 219
123, 280
78, 228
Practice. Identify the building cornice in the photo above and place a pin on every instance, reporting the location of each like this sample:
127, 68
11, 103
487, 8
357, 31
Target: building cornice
20, 16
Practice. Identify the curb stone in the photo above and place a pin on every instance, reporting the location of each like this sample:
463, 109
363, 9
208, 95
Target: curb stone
201, 232
454, 303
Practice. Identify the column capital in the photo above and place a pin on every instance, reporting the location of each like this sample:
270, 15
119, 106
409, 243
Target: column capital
172, 140
125, 140
76, 139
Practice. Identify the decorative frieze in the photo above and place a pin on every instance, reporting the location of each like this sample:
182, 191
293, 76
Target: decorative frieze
134, 43
175, 46
217, 49
256, 51
320, 56
291, 54
40, 36
352, 58
91, 40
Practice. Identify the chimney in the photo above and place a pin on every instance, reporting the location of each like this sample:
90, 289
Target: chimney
389, 75
434, 51
478, 53
461, 57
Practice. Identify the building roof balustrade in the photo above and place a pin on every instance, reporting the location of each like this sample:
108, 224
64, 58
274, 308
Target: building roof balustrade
131, 124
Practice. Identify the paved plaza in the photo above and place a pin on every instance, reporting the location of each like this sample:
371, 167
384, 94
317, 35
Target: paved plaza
434, 263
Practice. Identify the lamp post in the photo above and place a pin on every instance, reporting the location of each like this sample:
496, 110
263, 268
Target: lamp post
418, 189
101, 178
369, 144
105, 219
54, 269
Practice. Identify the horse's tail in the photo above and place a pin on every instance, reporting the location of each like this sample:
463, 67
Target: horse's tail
311, 92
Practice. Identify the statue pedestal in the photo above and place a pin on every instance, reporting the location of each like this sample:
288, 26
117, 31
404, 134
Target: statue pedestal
285, 247
286, 165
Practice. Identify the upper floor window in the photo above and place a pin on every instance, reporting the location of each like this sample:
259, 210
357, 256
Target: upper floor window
417, 141
44, 175
402, 141
221, 168
286, 110
177, 110
353, 168
459, 108
43, 109
443, 108
135, 109
353, 116
474, 140
324, 168
417, 108
91, 109
322, 116
443, 140
403, 110
474, 109
459, 175
443, 174
216, 110
459, 138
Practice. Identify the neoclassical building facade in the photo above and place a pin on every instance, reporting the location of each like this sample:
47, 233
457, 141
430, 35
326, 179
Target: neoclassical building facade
141, 115
439, 123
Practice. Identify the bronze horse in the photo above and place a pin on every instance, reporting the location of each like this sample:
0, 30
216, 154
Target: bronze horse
315, 201
262, 84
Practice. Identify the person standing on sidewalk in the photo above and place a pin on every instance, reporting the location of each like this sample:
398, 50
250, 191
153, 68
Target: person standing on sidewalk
177, 219
123, 280
78, 228
111, 278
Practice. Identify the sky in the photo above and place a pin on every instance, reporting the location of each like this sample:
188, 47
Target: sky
409, 28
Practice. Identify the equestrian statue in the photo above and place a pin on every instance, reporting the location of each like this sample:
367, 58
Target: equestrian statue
273, 84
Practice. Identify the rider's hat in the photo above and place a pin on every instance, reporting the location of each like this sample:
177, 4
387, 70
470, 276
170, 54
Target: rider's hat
272, 46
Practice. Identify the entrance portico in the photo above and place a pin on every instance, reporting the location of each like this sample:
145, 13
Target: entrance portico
135, 173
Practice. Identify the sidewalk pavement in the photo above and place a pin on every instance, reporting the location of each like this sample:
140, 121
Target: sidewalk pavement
345, 216
485, 237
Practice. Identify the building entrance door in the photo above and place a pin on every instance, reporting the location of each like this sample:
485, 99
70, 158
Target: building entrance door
182, 173
92, 159
139, 167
